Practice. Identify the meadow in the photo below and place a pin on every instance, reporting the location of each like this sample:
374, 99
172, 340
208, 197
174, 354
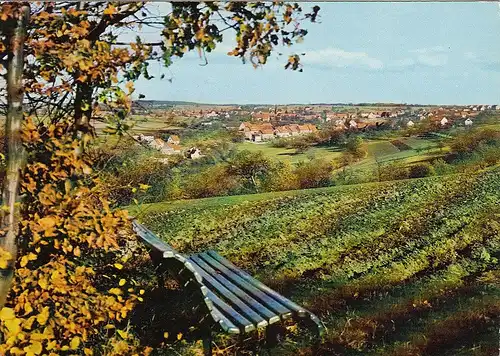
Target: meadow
405, 267
288, 154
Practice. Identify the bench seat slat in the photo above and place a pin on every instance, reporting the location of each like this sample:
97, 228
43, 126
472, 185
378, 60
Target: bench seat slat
243, 323
230, 297
225, 324
300, 311
296, 308
251, 289
269, 315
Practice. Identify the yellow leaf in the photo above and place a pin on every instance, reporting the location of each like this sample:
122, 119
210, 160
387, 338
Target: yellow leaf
43, 316
14, 326
88, 352
140, 299
34, 349
118, 266
42, 283
165, 335
141, 292
109, 326
129, 86
76, 251
122, 282
75, 342
51, 345
115, 291
7, 314
27, 308
123, 334
179, 336
24, 261
47, 222
37, 337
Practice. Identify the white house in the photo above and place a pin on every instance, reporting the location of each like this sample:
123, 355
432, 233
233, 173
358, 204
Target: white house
444, 121
211, 115
353, 124
174, 139
194, 153
410, 123
157, 144
146, 139
283, 131
256, 136
170, 149
468, 122
267, 133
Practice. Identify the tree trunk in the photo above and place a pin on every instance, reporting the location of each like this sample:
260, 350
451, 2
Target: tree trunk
14, 146
83, 107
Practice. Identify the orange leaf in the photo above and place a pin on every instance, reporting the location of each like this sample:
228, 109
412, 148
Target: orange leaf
110, 10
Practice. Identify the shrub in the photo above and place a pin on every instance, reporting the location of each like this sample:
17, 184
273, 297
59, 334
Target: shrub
421, 170
441, 167
354, 146
280, 176
393, 171
315, 173
213, 181
467, 143
73, 286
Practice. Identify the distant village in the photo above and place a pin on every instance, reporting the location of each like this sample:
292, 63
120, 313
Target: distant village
168, 148
266, 123
266, 131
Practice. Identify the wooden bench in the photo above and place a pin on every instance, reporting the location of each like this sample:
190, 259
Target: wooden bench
237, 303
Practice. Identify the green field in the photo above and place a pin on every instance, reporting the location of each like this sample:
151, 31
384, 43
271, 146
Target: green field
395, 268
381, 148
286, 154
417, 143
383, 151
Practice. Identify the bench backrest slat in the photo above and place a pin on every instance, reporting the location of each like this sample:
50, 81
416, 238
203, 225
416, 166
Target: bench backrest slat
152, 241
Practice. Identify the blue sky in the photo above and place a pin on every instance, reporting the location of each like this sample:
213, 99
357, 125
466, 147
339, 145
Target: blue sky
435, 53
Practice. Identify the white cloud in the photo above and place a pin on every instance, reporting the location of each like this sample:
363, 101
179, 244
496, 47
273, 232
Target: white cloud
433, 60
428, 50
401, 63
430, 56
470, 55
339, 58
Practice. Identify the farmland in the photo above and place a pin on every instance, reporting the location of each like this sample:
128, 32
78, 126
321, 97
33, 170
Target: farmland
395, 268
286, 154
381, 150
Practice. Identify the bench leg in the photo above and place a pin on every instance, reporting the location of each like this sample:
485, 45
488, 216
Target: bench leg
207, 346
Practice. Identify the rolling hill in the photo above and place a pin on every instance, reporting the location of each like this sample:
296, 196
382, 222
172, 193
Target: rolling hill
395, 268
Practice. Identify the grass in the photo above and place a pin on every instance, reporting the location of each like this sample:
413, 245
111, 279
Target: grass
381, 148
386, 152
285, 154
419, 143
207, 203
